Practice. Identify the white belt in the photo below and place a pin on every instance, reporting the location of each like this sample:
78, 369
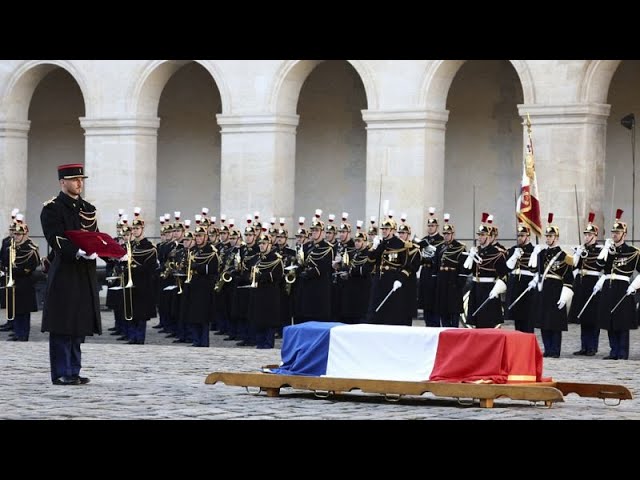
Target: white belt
526, 273
484, 279
593, 273
615, 276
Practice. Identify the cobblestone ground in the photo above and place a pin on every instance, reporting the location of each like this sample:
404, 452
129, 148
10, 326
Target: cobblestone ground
162, 380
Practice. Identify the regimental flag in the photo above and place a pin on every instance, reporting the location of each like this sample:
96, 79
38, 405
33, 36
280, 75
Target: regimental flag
528, 208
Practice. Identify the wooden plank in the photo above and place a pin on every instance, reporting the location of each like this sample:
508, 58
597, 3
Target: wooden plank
267, 381
590, 390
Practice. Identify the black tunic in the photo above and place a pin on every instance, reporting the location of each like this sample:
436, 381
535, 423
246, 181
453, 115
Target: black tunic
72, 306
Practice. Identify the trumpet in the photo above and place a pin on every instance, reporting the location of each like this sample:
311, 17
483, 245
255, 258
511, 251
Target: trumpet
11, 312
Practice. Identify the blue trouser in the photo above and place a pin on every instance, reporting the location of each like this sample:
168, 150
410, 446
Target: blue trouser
199, 334
137, 330
552, 341
450, 320
64, 355
589, 336
619, 342
432, 319
265, 337
22, 325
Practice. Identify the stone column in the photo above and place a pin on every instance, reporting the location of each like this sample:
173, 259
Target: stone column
569, 143
258, 166
120, 160
13, 170
405, 152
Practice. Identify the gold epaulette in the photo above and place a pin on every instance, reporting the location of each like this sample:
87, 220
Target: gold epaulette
408, 245
53, 199
278, 255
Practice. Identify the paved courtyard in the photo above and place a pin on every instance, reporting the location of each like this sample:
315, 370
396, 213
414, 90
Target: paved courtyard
163, 380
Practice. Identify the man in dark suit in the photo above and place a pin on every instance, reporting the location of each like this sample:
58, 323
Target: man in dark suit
72, 308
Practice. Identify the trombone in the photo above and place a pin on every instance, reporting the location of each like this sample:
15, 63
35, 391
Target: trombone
11, 312
128, 312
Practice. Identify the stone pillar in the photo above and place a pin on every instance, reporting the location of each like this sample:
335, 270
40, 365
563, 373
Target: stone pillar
120, 160
13, 170
258, 166
569, 144
405, 152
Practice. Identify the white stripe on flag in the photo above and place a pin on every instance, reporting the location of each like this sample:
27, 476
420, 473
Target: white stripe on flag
382, 352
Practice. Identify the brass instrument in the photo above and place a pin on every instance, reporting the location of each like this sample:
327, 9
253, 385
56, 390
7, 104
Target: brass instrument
254, 283
225, 276
128, 312
190, 257
11, 282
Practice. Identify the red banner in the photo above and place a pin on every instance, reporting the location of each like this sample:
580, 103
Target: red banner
528, 208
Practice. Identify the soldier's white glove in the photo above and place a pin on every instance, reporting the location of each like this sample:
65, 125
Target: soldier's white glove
565, 296
468, 263
575, 272
577, 253
598, 286
80, 253
534, 283
533, 261
124, 258
498, 288
517, 253
604, 253
396, 285
93, 256
635, 285
376, 242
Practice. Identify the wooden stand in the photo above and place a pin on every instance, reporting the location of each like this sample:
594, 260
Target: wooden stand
547, 392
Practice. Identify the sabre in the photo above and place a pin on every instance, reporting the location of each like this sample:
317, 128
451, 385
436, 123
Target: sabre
519, 297
587, 303
481, 306
618, 304
399, 284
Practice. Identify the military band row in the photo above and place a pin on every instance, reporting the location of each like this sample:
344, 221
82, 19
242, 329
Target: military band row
247, 283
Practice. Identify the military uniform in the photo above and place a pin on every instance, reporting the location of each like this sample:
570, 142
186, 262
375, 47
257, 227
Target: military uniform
451, 279
554, 284
520, 275
618, 265
22, 296
72, 307
587, 272
429, 245
392, 264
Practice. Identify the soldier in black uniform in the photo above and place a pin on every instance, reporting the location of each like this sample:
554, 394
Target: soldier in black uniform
488, 273
392, 261
249, 255
264, 309
554, 282
357, 284
202, 269
586, 274
520, 275
343, 253
22, 295
313, 284
288, 259
72, 307
428, 272
6, 241
618, 260
451, 277
372, 234
143, 263
413, 264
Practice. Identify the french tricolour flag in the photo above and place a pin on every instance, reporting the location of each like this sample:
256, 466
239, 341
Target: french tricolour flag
388, 352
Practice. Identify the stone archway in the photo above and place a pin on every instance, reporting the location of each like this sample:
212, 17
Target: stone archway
42, 106
186, 97
330, 149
